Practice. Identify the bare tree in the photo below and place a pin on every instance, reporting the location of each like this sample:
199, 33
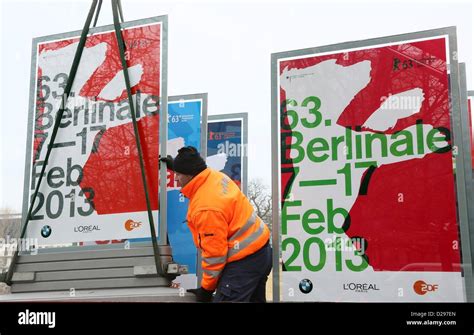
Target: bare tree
261, 199
10, 223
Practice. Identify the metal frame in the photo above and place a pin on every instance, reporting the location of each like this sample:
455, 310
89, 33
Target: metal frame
163, 111
244, 118
163, 196
470, 171
450, 33
463, 160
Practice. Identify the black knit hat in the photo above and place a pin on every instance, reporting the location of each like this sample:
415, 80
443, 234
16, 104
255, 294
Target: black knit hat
188, 161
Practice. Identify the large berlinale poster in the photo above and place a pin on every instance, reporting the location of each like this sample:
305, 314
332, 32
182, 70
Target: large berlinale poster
92, 189
369, 203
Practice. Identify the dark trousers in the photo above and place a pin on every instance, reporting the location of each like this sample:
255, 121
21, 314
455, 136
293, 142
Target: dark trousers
245, 280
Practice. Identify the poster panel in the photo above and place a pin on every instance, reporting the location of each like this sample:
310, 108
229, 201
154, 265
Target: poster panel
226, 143
92, 188
186, 116
363, 149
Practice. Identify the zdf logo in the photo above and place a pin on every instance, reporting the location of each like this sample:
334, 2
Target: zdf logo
131, 225
421, 288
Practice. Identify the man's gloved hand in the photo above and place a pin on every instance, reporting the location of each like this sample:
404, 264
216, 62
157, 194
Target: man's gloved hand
202, 295
169, 162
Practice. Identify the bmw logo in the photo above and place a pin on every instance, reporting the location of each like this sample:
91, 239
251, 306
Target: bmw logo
306, 286
46, 231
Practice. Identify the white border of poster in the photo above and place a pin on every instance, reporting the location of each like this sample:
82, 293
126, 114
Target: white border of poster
449, 34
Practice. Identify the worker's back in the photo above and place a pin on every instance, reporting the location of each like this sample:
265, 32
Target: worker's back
214, 191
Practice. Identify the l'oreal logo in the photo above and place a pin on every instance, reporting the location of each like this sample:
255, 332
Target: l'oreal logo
362, 288
86, 229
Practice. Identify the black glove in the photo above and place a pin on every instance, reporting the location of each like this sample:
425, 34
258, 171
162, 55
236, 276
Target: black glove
202, 295
169, 162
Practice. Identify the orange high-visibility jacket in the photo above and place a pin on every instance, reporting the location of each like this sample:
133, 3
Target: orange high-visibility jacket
223, 223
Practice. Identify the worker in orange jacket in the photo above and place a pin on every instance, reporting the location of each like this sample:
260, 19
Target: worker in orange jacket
233, 240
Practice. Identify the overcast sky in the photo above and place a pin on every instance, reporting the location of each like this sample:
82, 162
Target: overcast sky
219, 47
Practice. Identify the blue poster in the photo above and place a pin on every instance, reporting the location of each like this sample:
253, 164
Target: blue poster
184, 128
225, 148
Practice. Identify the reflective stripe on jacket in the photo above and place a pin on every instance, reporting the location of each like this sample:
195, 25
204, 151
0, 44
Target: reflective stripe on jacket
222, 222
